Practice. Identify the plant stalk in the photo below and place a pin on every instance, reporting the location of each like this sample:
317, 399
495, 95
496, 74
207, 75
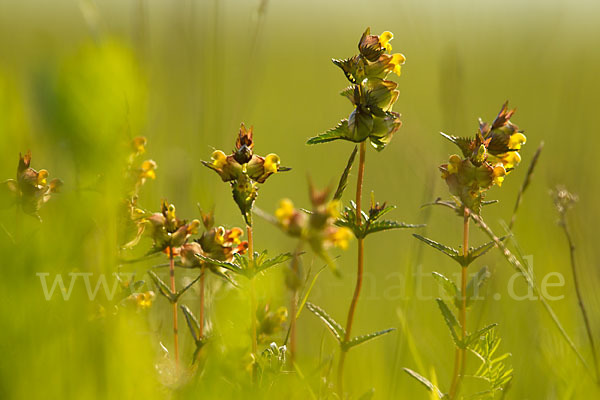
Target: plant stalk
461, 354
359, 273
173, 289
580, 302
253, 305
294, 304
202, 305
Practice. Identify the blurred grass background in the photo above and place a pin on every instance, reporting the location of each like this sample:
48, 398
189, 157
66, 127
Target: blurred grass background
80, 78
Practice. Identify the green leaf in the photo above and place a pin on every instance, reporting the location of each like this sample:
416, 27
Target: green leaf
305, 298
477, 252
474, 285
365, 338
449, 286
476, 335
192, 323
464, 144
349, 93
449, 251
425, 382
263, 263
163, 288
225, 264
335, 328
387, 225
344, 178
341, 131
451, 322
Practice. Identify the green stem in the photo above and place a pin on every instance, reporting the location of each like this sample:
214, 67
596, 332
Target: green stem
173, 289
579, 296
460, 355
359, 273
253, 303
294, 304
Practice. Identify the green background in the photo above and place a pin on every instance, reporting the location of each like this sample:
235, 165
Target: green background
78, 79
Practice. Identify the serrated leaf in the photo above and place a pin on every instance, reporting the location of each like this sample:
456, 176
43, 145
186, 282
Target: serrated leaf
481, 250
476, 335
263, 263
341, 131
451, 322
344, 178
335, 328
225, 264
475, 284
425, 382
365, 338
445, 283
447, 250
462, 143
386, 225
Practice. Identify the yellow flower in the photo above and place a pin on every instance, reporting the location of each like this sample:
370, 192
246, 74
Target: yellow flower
384, 40
219, 159
498, 174
454, 163
144, 300
516, 140
510, 159
397, 61
149, 169
285, 211
341, 237
41, 177
271, 164
333, 208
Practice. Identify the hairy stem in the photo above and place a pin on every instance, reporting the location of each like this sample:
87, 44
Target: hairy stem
460, 354
359, 273
579, 297
173, 289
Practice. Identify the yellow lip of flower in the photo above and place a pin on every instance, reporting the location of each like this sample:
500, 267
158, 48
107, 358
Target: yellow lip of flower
271, 164
384, 40
192, 228
148, 169
234, 235
219, 159
498, 174
220, 235
285, 211
453, 164
397, 60
341, 237
516, 140
511, 159
41, 177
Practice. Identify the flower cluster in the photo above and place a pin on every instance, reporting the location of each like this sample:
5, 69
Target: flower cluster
138, 174
371, 94
316, 227
31, 190
167, 231
244, 170
217, 243
270, 322
486, 159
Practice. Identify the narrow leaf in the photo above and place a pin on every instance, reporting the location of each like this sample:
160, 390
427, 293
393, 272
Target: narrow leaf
484, 248
449, 286
449, 251
365, 338
335, 328
305, 298
476, 335
475, 284
425, 382
386, 225
192, 323
262, 263
163, 288
180, 292
227, 265
344, 178
451, 322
